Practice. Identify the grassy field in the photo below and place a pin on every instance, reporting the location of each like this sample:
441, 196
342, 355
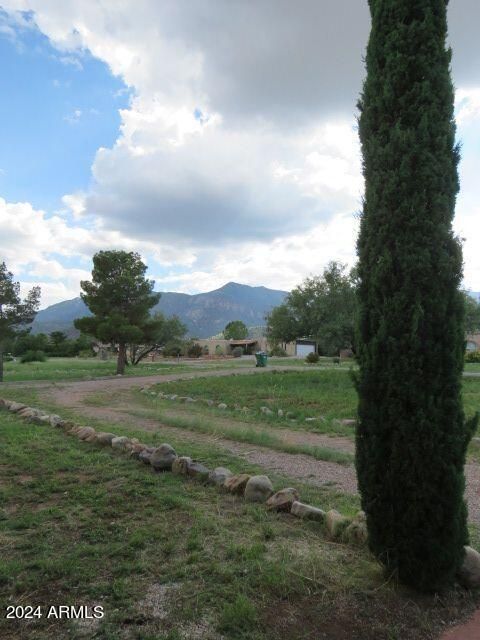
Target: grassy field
170, 559
88, 368
327, 395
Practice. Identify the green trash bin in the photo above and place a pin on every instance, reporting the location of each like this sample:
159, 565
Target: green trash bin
261, 357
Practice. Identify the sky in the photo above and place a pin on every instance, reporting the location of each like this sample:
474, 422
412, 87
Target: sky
217, 138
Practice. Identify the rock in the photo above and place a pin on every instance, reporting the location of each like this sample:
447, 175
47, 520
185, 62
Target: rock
219, 475
120, 442
91, 438
360, 516
306, 511
180, 465
283, 499
163, 457
258, 489
222, 405
236, 484
146, 455
2, 402
310, 419
266, 411
190, 399
469, 573
245, 409
348, 422
336, 523
210, 403
135, 449
85, 432
356, 532
74, 429
280, 413
43, 419
56, 421
173, 397
198, 470
105, 438
14, 407
28, 413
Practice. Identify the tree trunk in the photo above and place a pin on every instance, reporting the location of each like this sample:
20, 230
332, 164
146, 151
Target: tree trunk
122, 354
1, 365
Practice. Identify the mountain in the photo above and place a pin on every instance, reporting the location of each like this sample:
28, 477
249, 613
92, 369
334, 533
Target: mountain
204, 314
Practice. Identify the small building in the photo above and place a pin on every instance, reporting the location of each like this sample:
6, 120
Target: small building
473, 342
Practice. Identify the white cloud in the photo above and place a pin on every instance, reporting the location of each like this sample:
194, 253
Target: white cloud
237, 157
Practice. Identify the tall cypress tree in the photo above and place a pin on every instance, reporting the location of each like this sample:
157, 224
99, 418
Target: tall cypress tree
412, 434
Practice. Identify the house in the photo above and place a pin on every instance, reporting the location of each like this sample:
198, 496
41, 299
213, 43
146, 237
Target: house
473, 342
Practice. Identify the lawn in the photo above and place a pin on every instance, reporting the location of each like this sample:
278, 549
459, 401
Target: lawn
170, 559
327, 395
59, 369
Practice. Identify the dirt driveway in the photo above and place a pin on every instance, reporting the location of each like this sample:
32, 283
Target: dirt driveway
317, 472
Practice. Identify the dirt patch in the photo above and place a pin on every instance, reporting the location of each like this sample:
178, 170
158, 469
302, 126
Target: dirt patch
383, 616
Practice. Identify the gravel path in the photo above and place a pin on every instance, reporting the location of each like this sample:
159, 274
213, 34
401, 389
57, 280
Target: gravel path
303, 467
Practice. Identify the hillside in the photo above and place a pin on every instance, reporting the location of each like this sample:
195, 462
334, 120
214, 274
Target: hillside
205, 314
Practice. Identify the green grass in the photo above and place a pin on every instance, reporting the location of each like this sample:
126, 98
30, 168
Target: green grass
60, 369
167, 557
251, 435
321, 393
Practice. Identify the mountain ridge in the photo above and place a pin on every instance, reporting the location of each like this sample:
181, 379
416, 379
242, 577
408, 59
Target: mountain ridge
204, 314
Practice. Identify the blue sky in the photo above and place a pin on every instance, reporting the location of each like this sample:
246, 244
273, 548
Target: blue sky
103, 147
54, 115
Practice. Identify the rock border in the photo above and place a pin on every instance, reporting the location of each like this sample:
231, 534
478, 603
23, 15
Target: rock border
257, 489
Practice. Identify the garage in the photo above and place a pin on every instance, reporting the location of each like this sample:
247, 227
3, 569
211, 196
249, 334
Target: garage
304, 347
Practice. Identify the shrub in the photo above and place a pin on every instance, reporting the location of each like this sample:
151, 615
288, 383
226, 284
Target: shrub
312, 357
237, 352
7, 357
278, 352
206, 350
194, 350
218, 350
472, 356
173, 349
33, 356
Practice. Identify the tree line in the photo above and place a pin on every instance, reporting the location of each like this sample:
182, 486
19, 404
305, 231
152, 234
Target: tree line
324, 308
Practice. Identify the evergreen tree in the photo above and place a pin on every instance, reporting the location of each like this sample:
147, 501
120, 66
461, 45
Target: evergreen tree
412, 435
120, 299
15, 313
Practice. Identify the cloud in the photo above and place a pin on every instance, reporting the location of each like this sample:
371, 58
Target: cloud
237, 157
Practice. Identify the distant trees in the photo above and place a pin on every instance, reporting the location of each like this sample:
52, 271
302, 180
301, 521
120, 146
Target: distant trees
120, 298
322, 308
472, 314
15, 313
235, 330
412, 435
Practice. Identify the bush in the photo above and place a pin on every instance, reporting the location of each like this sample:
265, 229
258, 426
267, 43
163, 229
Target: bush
7, 357
278, 352
194, 350
33, 356
472, 356
173, 349
218, 350
237, 352
206, 350
312, 357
